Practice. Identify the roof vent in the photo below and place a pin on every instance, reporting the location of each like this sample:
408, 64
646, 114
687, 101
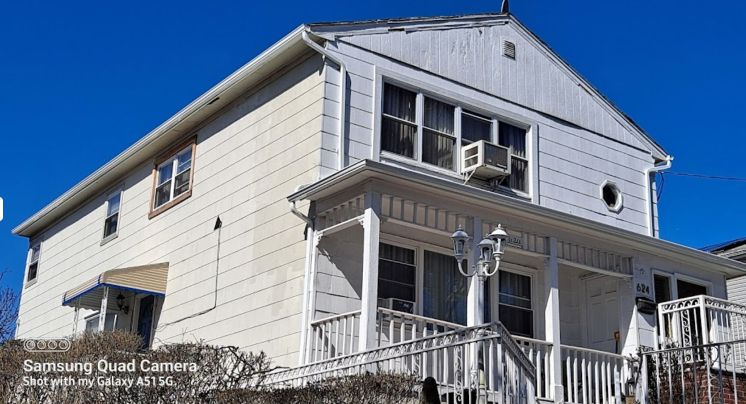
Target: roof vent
509, 49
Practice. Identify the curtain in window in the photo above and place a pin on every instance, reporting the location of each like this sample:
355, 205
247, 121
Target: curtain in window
514, 138
438, 140
398, 131
445, 289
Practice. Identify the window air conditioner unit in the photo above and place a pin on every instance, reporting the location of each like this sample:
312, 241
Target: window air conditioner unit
485, 160
391, 303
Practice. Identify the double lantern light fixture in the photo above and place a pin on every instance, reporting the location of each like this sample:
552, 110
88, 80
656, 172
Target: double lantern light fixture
491, 250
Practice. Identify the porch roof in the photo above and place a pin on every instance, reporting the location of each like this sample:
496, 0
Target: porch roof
369, 170
149, 279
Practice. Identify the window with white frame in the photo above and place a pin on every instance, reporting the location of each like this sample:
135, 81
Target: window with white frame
33, 266
173, 178
397, 272
429, 126
110, 322
111, 222
516, 311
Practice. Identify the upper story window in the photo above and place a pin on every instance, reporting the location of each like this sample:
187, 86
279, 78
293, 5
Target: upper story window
173, 178
33, 264
424, 129
111, 222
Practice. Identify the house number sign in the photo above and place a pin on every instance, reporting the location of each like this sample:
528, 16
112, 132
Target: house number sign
642, 283
515, 240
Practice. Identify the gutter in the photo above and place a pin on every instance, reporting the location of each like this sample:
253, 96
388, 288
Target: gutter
342, 92
649, 192
203, 101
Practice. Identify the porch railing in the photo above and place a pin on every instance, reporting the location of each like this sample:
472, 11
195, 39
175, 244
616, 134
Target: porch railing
395, 326
474, 364
338, 335
334, 336
701, 320
588, 376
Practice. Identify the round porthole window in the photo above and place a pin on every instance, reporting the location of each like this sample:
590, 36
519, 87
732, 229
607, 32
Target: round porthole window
611, 196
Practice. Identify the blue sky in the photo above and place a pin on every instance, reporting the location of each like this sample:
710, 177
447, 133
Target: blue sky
81, 81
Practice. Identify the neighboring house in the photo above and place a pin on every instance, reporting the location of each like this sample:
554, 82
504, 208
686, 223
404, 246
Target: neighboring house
735, 250
375, 132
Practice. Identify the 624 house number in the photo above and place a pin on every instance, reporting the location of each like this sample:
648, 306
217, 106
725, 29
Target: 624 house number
643, 288
155, 381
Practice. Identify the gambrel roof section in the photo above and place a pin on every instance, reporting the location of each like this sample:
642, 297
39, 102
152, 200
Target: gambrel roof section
469, 49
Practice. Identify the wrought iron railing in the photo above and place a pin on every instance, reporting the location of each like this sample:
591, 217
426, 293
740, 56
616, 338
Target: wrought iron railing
474, 363
707, 373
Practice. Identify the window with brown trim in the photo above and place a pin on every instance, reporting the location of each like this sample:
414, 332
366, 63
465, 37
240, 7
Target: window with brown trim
173, 176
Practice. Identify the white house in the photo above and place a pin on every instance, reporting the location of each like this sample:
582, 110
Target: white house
384, 136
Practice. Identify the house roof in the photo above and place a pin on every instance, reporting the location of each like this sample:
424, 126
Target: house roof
367, 170
243, 79
442, 22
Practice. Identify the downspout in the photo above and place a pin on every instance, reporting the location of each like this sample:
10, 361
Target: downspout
342, 93
649, 191
308, 279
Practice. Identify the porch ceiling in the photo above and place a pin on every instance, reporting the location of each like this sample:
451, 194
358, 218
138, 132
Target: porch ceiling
354, 179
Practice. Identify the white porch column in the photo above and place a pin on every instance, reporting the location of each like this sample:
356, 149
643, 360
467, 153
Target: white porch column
102, 312
552, 320
309, 294
474, 304
369, 303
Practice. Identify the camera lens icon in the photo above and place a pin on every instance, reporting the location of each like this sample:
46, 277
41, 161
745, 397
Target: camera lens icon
47, 345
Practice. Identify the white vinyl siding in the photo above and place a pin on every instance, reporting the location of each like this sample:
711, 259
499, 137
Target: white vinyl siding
251, 155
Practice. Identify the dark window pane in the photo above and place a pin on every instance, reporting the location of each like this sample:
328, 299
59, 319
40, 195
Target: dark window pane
163, 193
437, 149
399, 102
396, 272
110, 225
662, 289
518, 174
438, 116
517, 321
398, 254
475, 128
688, 289
32, 271
445, 289
514, 138
515, 285
182, 183
387, 289
398, 137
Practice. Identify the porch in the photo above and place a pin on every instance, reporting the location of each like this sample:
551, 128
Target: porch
381, 273
128, 299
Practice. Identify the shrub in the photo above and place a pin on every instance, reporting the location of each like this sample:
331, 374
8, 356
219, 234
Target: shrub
221, 375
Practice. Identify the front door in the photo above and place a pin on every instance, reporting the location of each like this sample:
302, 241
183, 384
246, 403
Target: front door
603, 313
145, 319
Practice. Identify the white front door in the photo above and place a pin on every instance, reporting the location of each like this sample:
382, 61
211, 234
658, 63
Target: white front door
603, 313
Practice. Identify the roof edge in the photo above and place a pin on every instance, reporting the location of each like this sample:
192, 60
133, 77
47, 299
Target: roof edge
94, 179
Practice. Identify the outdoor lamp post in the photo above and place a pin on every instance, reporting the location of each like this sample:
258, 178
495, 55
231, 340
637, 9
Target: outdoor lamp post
491, 250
